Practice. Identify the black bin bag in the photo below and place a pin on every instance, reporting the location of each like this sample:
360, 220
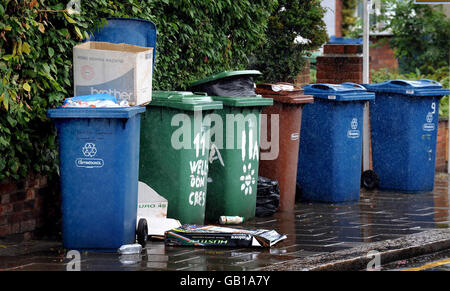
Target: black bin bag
268, 197
228, 84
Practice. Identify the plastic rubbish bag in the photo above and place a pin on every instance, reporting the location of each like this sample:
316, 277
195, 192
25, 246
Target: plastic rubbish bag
236, 86
94, 101
268, 197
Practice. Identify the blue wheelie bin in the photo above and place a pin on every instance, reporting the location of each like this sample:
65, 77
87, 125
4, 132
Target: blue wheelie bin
128, 30
404, 122
99, 162
329, 163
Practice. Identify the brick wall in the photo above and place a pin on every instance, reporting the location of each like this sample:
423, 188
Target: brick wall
304, 77
381, 54
340, 63
442, 147
29, 207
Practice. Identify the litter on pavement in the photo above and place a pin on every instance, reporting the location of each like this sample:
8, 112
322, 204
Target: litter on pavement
211, 235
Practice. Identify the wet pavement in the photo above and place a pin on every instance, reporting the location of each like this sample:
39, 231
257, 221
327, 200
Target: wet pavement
312, 230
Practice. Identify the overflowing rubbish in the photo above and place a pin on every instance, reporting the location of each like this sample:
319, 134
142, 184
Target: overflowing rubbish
231, 219
94, 101
211, 235
122, 70
268, 197
230, 84
130, 249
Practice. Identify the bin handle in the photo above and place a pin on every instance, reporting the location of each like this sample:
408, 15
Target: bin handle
431, 81
356, 85
400, 82
201, 93
322, 86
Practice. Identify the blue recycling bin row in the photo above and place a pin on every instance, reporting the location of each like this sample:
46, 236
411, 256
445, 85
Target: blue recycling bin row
404, 121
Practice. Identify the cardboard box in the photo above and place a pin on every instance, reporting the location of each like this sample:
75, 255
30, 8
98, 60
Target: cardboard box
122, 70
218, 236
150, 203
153, 207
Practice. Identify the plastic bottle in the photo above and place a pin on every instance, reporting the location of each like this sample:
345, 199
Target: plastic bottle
231, 219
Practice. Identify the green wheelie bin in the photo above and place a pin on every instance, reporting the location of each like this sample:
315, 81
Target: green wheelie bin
174, 151
233, 172
234, 158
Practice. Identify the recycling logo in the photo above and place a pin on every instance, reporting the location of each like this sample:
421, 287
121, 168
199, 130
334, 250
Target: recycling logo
354, 131
429, 125
429, 117
89, 150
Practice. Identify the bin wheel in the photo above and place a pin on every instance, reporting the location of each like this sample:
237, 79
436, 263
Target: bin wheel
142, 232
369, 179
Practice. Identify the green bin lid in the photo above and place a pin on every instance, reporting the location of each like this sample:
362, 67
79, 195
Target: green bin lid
184, 100
225, 74
244, 101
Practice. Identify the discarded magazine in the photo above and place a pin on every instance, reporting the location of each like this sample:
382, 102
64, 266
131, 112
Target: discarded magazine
211, 235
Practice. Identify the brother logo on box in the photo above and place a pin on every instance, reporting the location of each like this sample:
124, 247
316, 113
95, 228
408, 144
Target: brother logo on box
121, 70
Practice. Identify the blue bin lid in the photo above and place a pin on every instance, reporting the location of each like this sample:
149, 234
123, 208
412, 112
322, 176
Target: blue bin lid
344, 40
339, 92
105, 112
423, 87
133, 31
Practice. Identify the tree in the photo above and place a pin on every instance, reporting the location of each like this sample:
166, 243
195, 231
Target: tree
294, 29
420, 35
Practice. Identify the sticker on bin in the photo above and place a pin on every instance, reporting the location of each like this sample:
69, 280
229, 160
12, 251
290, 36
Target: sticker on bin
89, 151
430, 125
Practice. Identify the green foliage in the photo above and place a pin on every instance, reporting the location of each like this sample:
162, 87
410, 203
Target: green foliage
195, 39
441, 75
282, 56
420, 35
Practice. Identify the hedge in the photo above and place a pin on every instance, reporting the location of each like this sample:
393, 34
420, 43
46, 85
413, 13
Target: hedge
196, 38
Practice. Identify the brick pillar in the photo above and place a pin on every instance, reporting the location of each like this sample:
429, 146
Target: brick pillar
304, 78
340, 63
442, 147
338, 18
